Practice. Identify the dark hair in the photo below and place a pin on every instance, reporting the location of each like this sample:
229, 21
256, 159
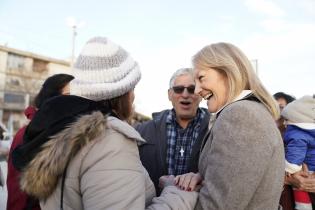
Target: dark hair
52, 86
122, 106
285, 96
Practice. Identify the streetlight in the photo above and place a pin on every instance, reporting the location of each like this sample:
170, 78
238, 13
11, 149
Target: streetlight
74, 24
255, 65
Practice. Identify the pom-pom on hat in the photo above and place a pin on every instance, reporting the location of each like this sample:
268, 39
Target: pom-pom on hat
103, 70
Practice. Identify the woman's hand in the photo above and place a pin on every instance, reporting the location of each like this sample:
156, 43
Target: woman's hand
189, 181
302, 180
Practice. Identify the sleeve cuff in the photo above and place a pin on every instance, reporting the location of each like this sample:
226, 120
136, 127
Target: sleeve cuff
292, 168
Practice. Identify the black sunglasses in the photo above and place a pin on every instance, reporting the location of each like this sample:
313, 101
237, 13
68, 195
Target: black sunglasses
180, 89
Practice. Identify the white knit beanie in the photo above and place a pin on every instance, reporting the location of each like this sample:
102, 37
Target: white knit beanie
103, 71
300, 111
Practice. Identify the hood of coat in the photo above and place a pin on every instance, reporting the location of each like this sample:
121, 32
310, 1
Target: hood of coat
124, 128
40, 177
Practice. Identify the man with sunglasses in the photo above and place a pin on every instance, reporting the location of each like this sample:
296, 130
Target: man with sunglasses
173, 137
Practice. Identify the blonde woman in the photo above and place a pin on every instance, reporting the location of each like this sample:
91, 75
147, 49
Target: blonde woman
242, 159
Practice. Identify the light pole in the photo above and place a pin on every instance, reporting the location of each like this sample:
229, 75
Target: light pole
74, 34
255, 64
71, 22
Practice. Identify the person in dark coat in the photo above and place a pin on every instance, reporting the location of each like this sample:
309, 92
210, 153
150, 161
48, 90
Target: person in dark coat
283, 99
17, 199
174, 136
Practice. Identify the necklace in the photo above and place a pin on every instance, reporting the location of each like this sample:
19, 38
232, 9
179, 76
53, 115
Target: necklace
181, 151
180, 139
181, 142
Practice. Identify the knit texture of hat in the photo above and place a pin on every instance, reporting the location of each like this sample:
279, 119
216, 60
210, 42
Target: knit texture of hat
300, 111
103, 71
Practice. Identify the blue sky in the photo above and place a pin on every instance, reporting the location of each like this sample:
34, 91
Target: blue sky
163, 35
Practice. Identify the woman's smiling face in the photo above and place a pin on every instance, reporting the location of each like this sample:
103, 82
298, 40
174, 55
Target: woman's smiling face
213, 87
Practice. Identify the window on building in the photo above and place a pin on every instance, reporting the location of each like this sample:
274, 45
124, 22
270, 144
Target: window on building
12, 98
39, 65
16, 61
14, 82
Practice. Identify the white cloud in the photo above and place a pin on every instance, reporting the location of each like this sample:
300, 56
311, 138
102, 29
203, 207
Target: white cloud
285, 58
226, 18
307, 5
274, 25
265, 7
157, 66
293, 38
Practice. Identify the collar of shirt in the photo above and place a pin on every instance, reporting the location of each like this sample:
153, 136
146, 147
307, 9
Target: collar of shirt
242, 95
171, 118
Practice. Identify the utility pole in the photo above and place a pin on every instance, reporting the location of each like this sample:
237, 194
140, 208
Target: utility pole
71, 22
255, 64
74, 34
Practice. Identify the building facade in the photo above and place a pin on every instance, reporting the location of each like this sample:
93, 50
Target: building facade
21, 76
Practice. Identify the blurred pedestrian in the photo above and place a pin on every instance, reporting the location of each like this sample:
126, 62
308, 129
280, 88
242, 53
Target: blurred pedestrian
283, 99
53, 86
299, 141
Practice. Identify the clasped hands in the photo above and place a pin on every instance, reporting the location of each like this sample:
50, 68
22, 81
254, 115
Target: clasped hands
188, 182
302, 180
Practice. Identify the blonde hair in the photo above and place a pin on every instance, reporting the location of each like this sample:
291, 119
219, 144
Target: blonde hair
232, 62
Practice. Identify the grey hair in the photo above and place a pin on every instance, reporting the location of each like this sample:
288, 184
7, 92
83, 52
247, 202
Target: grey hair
180, 72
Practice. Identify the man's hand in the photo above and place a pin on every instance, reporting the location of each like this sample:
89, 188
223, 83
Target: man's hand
302, 180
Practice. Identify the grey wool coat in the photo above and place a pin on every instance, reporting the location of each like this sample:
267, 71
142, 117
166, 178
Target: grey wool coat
242, 162
105, 174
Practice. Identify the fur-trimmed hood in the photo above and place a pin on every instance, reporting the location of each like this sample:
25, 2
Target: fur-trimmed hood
40, 177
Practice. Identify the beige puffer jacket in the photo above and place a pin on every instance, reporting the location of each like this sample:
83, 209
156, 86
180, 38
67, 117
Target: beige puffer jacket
105, 174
